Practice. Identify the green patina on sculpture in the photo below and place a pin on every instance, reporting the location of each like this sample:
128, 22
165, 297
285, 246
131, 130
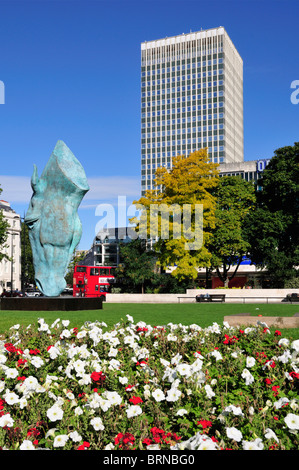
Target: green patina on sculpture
54, 225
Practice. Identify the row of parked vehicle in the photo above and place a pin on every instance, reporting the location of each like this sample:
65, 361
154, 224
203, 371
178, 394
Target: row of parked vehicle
31, 293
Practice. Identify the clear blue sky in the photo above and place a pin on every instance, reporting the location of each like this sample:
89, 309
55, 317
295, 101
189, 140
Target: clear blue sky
71, 71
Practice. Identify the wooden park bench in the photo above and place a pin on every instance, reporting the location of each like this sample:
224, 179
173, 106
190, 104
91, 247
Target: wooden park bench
202, 298
211, 298
292, 298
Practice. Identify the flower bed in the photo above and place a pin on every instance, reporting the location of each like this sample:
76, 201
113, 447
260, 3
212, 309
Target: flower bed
138, 386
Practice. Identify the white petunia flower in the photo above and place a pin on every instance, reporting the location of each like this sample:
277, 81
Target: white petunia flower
3, 358
292, 421
209, 391
184, 369
37, 362
284, 342
114, 364
6, 420
249, 379
97, 424
27, 445
181, 412
60, 440
172, 337
23, 403
236, 410
133, 410
164, 362
253, 445
173, 394
196, 366
53, 352
113, 352
81, 334
285, 357
216, 354
234, 433
250, 361
109, 446
269, 434
30, 383
11, 373
75, 436
78, 411
158, 395
55, 413
113, 397
11, 398
281, 402
207, 444
123, 380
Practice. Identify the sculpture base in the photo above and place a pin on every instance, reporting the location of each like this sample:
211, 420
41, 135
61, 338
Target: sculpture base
51, 303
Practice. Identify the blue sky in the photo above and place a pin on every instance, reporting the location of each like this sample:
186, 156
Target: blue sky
71, 71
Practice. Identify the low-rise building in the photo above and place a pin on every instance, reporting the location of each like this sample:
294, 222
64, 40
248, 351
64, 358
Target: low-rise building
105, 249
10, 267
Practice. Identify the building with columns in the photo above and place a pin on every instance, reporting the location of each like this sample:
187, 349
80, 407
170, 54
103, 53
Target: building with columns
10, 269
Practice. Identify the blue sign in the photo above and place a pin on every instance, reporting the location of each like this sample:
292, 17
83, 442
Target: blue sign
261, 164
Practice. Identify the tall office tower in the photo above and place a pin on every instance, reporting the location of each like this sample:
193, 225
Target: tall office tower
191, 98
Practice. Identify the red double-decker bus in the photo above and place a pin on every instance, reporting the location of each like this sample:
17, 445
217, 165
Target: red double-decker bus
93, 281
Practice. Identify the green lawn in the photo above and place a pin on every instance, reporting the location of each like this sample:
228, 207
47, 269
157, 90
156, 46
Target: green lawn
154, 314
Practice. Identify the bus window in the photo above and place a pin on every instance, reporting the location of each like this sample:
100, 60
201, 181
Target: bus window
94, 272
81, 269
104, 271
104, 288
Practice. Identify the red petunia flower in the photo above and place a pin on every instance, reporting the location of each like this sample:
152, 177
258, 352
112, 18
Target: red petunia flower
136, 400
84, 446
205, 423
294, 375
275, 389
98, 377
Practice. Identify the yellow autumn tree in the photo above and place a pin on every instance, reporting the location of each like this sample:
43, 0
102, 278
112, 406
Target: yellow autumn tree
179, 214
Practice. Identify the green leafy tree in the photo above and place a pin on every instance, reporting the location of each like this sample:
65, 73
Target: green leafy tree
273, 229
137, 266
180, 192
235, 200
76, 259
27, 268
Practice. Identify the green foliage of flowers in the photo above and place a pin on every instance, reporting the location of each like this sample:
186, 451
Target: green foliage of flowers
138, 386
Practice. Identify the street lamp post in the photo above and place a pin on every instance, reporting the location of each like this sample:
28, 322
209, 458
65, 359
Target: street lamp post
12, 233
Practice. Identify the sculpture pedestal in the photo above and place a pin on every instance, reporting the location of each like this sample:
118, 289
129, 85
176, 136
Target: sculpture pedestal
51, 303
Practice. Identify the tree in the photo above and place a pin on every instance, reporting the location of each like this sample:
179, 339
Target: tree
182, 232
4, 225
137, 266
273, 229
27, 268
235, 200
76, 259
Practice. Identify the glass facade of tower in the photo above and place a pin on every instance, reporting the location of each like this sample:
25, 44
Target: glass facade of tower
191, 98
